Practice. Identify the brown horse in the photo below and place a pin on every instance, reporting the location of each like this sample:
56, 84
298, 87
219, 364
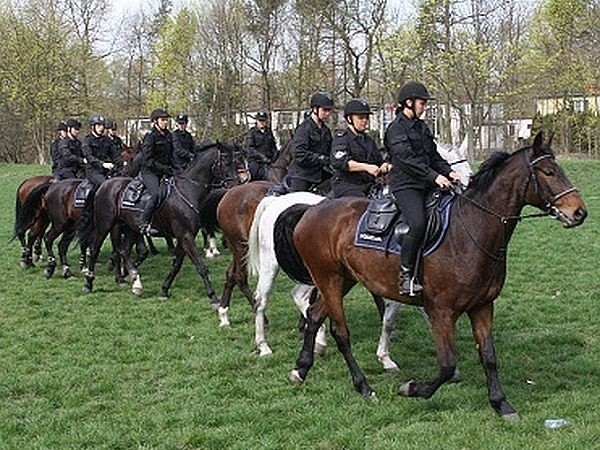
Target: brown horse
36, 224
464, 275
178, 216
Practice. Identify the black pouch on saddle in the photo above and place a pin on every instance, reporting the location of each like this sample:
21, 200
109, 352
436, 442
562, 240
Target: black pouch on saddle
132, 197
82, 191
381, 214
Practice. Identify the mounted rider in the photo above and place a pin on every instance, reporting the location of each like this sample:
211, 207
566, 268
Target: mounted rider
354, 154
312, 146
61, 131
416, 168
156, 162
183, 145
261, 146
70, 156
101, 156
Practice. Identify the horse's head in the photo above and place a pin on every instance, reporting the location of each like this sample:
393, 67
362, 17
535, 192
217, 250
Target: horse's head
241, 164
549, 188
225, 166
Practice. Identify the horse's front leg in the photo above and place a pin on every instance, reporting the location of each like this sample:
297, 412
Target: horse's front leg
175, 268
482, 321
443, 325
189, 246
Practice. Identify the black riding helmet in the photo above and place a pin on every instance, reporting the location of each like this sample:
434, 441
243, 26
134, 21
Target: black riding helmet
262, 115
61, 126
356, 106
412, 90
321, 99
96, 120
159, 113
74, 123
181, 118
108, 124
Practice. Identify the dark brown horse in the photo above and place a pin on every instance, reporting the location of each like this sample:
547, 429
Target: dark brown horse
36, 224
178, 216
57, 202
464, 275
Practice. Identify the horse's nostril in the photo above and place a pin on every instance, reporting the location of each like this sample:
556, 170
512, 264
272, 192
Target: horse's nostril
580, 214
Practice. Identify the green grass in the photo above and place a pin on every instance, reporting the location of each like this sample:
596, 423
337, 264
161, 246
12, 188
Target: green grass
111, 371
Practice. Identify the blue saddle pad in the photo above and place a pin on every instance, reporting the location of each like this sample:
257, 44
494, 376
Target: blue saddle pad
387, 243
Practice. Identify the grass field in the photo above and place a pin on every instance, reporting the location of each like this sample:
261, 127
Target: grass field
110, 371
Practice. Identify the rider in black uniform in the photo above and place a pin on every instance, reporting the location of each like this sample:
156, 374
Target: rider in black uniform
354, 154
183, 145
101, 156
261, 147
312, 146
416, 168
155, 162
70, 157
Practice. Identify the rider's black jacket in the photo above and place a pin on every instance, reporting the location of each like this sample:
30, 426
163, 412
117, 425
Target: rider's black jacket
183, 150
415, 160
261, 145
157, 153
311, 148
70, 159
357, 147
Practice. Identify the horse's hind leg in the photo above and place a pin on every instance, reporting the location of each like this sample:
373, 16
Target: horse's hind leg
387, 328
482, 321
268, 272
443, 326
223, 310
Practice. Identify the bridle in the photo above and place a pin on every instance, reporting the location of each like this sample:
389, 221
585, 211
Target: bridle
549, 209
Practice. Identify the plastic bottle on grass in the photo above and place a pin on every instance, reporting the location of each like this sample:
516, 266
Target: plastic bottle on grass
555, 423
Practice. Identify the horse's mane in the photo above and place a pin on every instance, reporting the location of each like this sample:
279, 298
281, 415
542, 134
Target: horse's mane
485, 176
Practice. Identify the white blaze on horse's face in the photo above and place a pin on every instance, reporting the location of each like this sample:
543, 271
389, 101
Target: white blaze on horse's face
458, 161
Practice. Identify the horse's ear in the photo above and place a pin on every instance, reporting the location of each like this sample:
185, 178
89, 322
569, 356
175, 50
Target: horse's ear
538, 140
550, 139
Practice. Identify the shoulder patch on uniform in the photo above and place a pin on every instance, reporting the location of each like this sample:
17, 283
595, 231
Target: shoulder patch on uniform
340, 154
341, 133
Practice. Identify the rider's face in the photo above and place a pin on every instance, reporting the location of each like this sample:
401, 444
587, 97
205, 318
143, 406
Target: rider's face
323, 113
420, 106
162, 122
360, 122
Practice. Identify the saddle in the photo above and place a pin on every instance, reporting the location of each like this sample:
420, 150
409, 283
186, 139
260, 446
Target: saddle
82, 191
382, 226
135, 197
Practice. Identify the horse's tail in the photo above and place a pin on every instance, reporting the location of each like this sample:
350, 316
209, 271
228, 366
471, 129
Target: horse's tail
253, 255
287, 256
26, 212
208, 211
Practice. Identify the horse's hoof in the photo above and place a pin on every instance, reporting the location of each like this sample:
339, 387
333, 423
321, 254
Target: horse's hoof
388, 364
66, 273
511, 417
264, 351
320, 349
136, 291
372, 397
86, 290
48, 273
295, 377
457, 377
407, 389
25, 265
216, 305
37, 258
163, 298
